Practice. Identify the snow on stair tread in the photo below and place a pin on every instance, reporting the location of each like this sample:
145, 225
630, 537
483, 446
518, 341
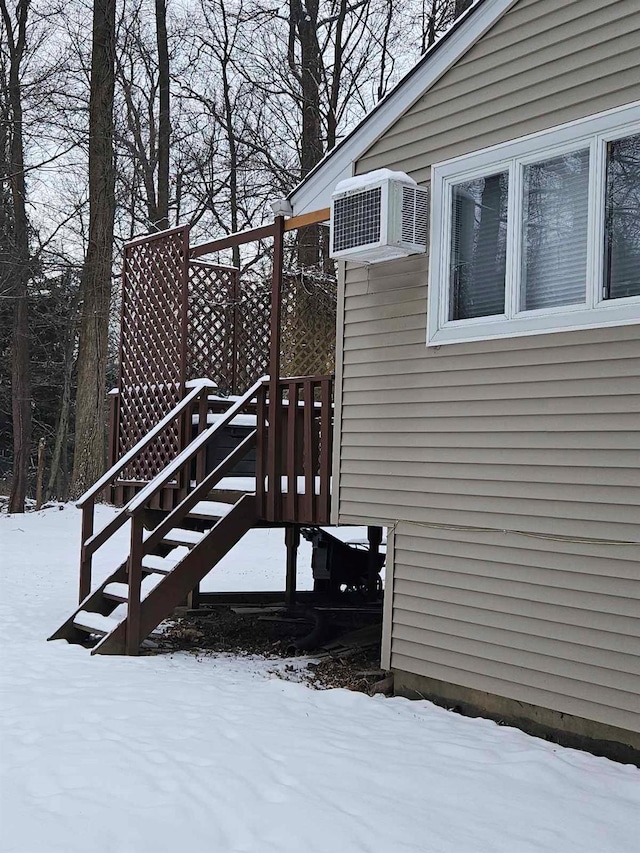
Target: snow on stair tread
211, 509
95, 622
164, 564
120, 591
183, 537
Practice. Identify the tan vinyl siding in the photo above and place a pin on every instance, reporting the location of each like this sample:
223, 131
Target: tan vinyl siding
552, 623
544, 63
520, 444
539, 434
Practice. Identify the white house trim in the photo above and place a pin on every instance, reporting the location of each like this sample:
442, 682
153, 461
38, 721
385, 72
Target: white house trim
314, 192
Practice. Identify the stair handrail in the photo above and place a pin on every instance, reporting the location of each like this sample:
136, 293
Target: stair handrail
90, 541
144, 442
136, 506
199, 492
137, 503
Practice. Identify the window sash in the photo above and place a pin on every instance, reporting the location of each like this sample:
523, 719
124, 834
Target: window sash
617, 267
554, 247
540, 147
483, 280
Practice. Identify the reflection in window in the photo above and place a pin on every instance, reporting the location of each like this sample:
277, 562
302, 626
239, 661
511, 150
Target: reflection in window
478, 247
554, 247
622, 219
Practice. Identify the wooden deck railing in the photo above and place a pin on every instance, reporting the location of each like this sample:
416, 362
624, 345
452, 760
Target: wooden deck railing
293, 465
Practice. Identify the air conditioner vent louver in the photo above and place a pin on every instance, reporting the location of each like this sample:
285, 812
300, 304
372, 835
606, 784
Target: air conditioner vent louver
378, 217
415, 215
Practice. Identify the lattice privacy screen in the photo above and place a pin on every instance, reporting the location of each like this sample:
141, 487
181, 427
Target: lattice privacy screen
229, 326
186, 319
152, 352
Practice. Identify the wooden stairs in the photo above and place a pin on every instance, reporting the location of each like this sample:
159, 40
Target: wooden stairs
177, 563
292, 440
167, 563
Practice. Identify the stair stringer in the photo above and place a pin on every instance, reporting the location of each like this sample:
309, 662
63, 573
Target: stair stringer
95, 602
175, 586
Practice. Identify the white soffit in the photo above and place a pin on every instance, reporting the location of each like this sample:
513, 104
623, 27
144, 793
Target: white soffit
314, 193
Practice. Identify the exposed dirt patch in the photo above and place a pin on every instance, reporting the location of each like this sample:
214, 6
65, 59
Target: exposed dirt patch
222, 630
271, 635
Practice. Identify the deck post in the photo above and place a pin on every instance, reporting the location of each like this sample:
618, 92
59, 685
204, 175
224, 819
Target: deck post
374, 535
85, 554
193, 599
292, 542
274, 447
135, 580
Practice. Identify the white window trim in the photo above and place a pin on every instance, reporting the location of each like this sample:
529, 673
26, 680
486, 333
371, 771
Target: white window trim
593, 132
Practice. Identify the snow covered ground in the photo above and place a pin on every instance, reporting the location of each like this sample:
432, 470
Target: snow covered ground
216, 755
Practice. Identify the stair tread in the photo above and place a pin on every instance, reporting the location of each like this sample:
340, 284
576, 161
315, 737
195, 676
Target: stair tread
210, 509
120, 591
164, 565
96, 623
116, 591
183, 537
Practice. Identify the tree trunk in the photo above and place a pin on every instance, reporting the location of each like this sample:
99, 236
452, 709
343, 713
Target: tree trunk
90, 433
304, 18
21, 262
164, 121
58, 475
231, 138
21, 394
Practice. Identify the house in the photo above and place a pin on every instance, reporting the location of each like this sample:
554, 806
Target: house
488, 391
486, 405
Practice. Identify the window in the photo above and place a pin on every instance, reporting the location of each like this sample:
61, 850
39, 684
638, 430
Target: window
539, 235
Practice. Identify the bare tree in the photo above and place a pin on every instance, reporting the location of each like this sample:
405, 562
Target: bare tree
90, 446
17, 266
143, 121
164, 121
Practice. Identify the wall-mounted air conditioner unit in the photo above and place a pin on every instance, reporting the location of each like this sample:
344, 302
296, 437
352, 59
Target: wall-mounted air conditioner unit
378, 217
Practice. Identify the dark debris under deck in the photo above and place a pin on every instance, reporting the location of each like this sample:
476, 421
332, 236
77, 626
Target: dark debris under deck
348, 657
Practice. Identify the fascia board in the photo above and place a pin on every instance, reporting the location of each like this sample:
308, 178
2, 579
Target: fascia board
314, 192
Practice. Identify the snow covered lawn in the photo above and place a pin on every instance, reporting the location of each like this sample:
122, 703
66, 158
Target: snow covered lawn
214, 754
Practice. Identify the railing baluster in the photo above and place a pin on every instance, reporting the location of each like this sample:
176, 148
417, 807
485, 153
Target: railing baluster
292, 456
309, 470
326, 449
274, 447
261, 448
201, 459
317, 415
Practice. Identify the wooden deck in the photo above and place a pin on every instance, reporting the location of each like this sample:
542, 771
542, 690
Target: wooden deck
173, 439
291, 473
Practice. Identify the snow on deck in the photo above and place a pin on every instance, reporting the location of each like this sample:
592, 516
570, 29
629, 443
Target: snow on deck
248, 484
177, 752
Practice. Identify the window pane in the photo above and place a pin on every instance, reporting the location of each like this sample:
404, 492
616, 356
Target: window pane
554, 250
622, 219
478, 247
